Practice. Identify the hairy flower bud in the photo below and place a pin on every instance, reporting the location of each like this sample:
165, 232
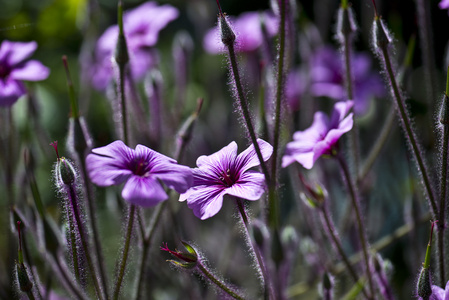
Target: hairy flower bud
226, 33
65, 171
381, 37
187, 260
25, 283
424, 287
346, 24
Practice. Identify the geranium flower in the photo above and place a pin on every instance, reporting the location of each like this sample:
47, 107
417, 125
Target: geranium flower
141, 26
15, 67
226, 173
328, 78
308, 145
142, 169
248, 30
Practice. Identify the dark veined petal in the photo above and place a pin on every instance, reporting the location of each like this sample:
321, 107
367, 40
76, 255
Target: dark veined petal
205, 201
250, 186
248, 158
143, 191
219, 161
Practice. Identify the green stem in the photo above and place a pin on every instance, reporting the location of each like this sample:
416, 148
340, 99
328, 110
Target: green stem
122, 264
84, 241
219, 283
409, 131
246, 115
334, 236
361, 231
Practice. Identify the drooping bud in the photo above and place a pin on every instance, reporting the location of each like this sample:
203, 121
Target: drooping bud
187, 260
314, 196
277, 249
184, 134
25, 284
260, 233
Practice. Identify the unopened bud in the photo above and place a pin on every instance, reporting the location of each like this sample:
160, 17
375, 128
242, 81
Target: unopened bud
346, 24
25, 283
79, 139
187, 260
381, 36
424, 284
121, 50
226, 33
66, 171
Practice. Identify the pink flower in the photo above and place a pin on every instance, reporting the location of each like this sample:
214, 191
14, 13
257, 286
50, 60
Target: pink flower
226, 173
444, 4
248, 29
308, 145
15, 67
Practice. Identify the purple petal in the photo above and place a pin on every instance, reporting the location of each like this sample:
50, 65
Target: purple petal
205, 201
437, 293
143, 191
300, 152
250, 186
141, 62
108, 165
341, 109
444, 4
32, 70
317, 131
10, 91
248, 158
16, 52
220, 160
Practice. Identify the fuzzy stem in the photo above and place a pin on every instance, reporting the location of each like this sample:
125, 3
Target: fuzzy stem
69, 281
361, 232
334, 236
84, 240
74, 252
122, 264
220, 284
260, 262
244, 106
409, 130
146, 246
93, 225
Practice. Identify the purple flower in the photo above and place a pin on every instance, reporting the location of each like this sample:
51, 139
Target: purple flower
328, 78
141, 25
444, 4
438, 293
308, 145
142, 169
295, 87
248, 30
226, 173
14, 67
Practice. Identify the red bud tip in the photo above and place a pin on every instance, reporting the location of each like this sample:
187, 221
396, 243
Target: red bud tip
219, 8
431, 230
375, 9
55, 145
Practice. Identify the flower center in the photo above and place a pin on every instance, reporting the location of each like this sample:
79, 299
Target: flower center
226, 178
141, 167
4, 71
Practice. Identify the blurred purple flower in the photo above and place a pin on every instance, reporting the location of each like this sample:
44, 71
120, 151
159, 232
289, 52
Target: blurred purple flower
308, 145
444, 4
295, 87
438, 293
141, 25
143, 170
248, 30
328, 79
14, 67
226, 173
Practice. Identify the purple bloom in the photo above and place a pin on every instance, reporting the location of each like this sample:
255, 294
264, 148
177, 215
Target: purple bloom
444, 4
438, 293
328, 78
142, 169
295, 87
14, 67
226, 173
308, 145
141, 25
248, 30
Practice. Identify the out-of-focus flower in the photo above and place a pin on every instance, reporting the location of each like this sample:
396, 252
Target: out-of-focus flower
444, 4
226, 173
15, 67
248, 29
295, 87
328, 78
141, 26
308, 145
438, 293
142, 169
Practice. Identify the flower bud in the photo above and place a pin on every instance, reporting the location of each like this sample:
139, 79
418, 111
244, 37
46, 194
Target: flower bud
424, 287
78, 140
188, 260
381, 36
226, 33
121, 54
346, 24
25, 283
66, 172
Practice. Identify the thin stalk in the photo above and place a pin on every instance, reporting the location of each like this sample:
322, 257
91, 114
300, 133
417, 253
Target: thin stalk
74, 252
443, 192
93, 225
69, 281
361, 231
84, 241
334, 236
260, 262
123, 103
246, 115
219, 283
410, 133
122, 264
146, 245
378, 145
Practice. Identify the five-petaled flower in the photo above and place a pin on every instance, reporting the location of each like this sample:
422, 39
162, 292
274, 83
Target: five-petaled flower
141, 26
143, 170
224, 173
308, 145
15, 67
